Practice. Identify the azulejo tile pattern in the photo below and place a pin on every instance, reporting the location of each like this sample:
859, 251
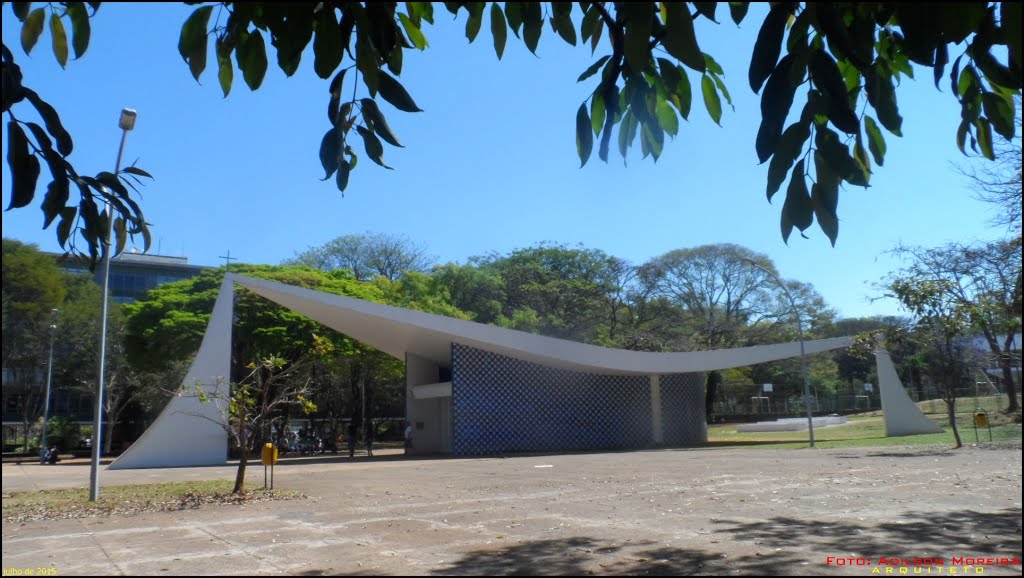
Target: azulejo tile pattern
504, 405
682, 409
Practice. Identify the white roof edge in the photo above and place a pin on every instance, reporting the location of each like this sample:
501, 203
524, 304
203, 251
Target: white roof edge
396, 330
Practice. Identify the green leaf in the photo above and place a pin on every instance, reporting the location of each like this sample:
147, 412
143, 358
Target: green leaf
137, 172
723, 90
57, 192
961, 135
192, 41
52, 120
776, 100
593, 68
67, 219
476, 19
768, 46
711, 100
667, 117
414, 32
24, 167
882, 96
738, 11
584, 136
1000, 114
327, 48
638, 34
60, 40
713, 67
225, 70
514, 14
826, 76
498, 30
996, 72
374, 148
395, 93
395, 61
533, 24
80, 27
21, 10
120, 234
591, 20
330, 149
860, 155
984, 131
564, 27
597, 113
31, 29
368, 62
377, 122
824, 203
344, 170
798, 203
627, 132
786, 152
876, 142
681, 40
707, 10
252, 59
595, 38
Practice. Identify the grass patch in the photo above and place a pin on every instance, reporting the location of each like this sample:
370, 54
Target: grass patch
868, 429
130, 500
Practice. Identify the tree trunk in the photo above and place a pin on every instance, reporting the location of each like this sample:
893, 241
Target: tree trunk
243, 448
714, 380
1011, 383
951, 411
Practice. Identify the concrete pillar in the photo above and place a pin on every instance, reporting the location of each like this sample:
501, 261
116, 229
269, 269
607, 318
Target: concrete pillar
656, 425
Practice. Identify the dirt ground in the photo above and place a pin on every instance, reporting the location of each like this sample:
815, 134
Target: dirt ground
661, 512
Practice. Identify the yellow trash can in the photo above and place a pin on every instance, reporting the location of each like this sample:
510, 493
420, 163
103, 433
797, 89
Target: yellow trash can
269, 455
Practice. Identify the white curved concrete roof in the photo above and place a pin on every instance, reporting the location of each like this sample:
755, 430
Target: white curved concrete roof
396, 331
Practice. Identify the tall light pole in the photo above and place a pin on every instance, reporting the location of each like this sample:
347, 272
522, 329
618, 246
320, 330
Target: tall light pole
126, 123
49, 380
803, 354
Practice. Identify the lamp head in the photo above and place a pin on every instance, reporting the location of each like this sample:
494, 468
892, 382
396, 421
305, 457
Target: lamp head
127, 121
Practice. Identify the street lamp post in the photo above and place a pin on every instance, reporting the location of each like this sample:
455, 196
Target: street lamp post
126, 123
49, 380
803, 354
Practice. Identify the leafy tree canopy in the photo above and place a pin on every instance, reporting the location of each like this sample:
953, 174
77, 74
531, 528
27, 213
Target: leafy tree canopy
831, 68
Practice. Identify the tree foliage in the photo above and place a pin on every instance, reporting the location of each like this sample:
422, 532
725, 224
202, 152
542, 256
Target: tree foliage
971, 289
367, 255
834, 67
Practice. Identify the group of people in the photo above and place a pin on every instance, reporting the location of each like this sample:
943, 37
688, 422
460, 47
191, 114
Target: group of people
49, 456
302, 443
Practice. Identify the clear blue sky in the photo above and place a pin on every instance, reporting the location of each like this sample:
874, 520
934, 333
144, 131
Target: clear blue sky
489, 166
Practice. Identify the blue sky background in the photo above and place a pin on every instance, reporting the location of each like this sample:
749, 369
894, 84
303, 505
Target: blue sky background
489, 166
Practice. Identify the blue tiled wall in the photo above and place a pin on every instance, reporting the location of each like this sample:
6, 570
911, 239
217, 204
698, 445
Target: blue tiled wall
682, 409
503, 405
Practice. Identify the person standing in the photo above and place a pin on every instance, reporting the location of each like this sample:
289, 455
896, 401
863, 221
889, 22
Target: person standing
369, 439
350, 438
409, 431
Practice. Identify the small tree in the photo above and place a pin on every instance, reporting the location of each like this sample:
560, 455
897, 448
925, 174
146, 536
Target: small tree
254, 403
942, 321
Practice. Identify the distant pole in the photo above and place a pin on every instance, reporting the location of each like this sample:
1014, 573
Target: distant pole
126, 123
227, 261
49, 380
803, 354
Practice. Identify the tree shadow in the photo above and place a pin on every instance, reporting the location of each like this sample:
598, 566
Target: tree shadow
582, 556
915, 534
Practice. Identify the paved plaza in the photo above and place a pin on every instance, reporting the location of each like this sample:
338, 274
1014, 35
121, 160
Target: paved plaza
660, 512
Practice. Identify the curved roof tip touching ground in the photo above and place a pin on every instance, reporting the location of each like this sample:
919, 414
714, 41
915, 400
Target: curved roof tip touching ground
397, 331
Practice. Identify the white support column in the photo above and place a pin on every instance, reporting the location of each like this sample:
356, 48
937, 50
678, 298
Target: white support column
656, 426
